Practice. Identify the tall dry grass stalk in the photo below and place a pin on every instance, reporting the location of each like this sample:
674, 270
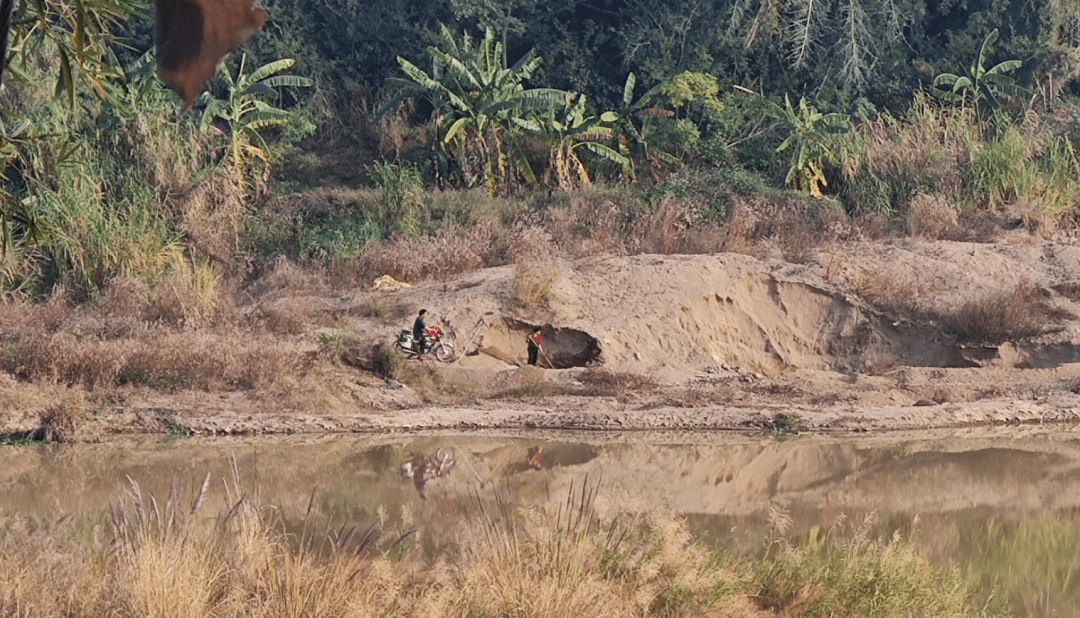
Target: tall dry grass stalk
536, 265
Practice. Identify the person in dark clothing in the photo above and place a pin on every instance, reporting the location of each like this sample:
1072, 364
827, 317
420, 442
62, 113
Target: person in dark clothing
418, 332
533, 341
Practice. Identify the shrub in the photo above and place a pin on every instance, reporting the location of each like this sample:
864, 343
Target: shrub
66, 421
1001, 316
1001, 171
846, 572
387, 362
933, 216
887, 161
401, 198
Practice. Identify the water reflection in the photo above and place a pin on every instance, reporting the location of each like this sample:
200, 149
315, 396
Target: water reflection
986, 498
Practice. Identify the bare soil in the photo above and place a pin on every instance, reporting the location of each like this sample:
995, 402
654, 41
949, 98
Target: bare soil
862, 336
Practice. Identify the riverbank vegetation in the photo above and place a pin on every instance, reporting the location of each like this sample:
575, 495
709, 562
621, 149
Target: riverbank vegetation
457, 129
172, 558
143, 247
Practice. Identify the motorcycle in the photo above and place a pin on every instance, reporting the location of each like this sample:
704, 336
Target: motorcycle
433, 335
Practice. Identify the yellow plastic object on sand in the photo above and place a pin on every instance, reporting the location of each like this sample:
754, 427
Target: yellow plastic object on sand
389, 284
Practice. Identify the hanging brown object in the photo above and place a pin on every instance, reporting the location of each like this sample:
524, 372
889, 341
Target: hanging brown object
194, 35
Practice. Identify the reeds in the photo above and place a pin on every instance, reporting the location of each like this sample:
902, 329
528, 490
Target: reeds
563, 559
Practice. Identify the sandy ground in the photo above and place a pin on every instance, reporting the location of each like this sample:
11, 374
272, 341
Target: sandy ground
853, 339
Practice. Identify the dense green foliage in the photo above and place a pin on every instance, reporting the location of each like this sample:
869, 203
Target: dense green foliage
683, 104
834, 50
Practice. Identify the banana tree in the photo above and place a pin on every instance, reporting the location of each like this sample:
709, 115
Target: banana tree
569, 130
634, 123
245, 113
809, 141
981, 83
484, 102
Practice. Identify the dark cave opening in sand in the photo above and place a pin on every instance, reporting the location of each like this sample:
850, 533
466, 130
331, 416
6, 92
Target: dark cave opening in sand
561, 348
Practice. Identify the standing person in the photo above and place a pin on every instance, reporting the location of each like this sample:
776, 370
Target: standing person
533, 342
418, 332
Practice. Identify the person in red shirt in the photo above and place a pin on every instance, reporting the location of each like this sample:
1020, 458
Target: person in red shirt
533, 341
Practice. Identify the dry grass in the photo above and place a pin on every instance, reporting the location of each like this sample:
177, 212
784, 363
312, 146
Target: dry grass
896, 291
66, 421
793, 226
846, 572
158, 357
991, 318
536, 266
1007, 315
889, 161
566, 559
605, 383
932, 216
447, 253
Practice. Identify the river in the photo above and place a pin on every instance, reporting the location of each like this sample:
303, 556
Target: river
1002, 504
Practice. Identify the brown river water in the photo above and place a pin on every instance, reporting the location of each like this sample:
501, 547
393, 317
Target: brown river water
1001, 504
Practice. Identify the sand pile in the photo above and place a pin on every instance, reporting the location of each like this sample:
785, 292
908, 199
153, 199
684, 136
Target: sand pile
671, 316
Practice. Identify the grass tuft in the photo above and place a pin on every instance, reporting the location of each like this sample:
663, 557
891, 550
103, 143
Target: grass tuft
847, 572
66, 421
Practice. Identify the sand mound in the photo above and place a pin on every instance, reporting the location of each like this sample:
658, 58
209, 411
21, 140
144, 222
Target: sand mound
670, 316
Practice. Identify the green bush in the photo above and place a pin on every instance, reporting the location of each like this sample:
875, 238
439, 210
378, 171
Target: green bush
858, 576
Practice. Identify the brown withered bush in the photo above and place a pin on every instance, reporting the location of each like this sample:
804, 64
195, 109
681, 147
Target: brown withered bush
159, 357
449, 252
189, 295
592, 221
894, 291
287, 296
932, 216
536, 265
668, 229
795, 225
608, 222
66, 421
1001, 316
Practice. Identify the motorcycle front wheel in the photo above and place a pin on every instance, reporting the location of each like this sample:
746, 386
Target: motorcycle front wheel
444, 352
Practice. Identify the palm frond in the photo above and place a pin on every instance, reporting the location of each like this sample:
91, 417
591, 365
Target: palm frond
803, 32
